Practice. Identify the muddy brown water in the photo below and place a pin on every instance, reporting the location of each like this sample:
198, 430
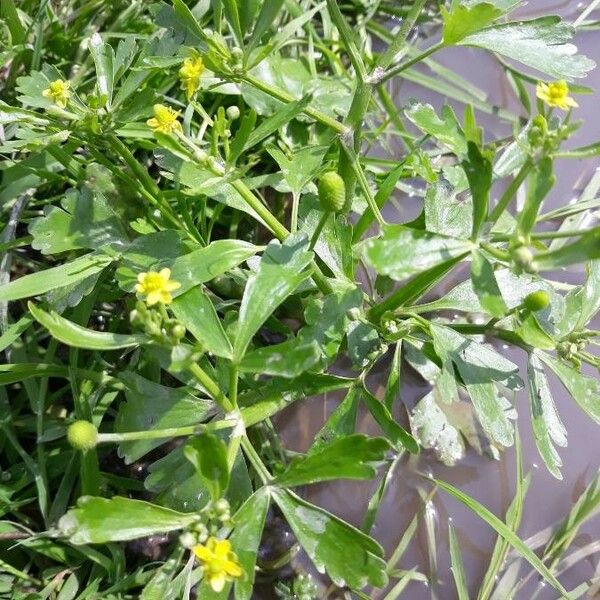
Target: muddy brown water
491, 482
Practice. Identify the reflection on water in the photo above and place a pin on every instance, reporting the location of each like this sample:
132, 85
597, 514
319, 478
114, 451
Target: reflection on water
490, 482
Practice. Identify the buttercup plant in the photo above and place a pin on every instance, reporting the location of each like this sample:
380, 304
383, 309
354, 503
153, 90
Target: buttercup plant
201, 232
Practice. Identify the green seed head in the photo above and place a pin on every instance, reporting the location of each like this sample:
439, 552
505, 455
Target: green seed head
537, 301
82, 435
332, 192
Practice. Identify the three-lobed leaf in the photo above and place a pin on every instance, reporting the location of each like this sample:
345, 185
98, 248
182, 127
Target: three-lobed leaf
349, 557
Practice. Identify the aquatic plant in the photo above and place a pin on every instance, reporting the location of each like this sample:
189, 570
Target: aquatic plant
201, 231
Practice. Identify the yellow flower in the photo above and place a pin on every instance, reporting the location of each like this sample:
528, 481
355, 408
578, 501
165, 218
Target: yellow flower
156, 286
219, 562
555, 94
190, 74
58, 92
165, 119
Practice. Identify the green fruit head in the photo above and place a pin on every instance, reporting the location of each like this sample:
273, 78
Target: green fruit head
536, 301
332, 192
82, 435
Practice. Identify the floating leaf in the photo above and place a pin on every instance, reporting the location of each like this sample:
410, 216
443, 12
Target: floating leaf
585, 390
486, 286
85, 221
432, 428
479, 367
478, 168
288, 359
392, 430
41, 282
445, 129
205, 264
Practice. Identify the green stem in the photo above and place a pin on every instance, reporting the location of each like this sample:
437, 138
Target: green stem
392, 111
318, 229
147, 182
511, 190
364, 184
256, 461
549, 235
409, 63
498, 253
276, 228
233, 384
157, 434
294, 217
272, 223
283, 96
399, 41
211, 387
348, 39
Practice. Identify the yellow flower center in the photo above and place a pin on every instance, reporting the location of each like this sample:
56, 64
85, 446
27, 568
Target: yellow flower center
156, 286
165, 119
58, 92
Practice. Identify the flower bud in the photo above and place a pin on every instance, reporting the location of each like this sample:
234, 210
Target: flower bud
82, 435
523, 258
536, 301
222, 506
237, 54
178, 331
188, 539
233, 113
353, 313
332, 192
202, 531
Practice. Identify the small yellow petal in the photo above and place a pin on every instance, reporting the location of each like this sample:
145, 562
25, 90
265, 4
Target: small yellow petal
153, 298
202, 552
233, 569
222, 548
172, 285
217, 582
166, 273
